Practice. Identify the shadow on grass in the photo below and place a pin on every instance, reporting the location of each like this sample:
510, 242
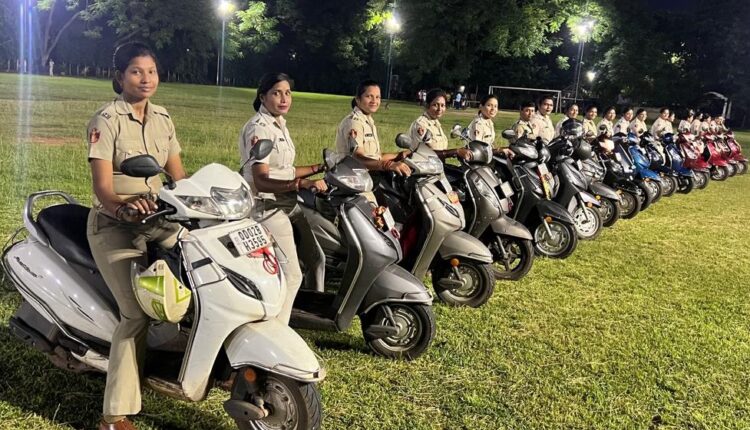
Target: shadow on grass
35, 386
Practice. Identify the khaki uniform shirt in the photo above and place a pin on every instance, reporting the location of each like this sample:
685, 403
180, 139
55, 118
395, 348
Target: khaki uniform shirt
482, 129
543, 126
589, 128
438, 141
280, 162
522, 128
705, 126
684, 126
622, 126
366, 134
695, 126
610, 127
638, 127
114, 133
660, 127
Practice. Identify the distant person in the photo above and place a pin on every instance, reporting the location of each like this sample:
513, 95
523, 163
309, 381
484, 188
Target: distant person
127, 126
610, 113
695, 126
661, 125
430, 120
623, 124
541, 119
482, 128
458, 100
523, 127
275, 181
571, 112
706, 121
638, 125
589, 126
357, 135
721, 126
686, 121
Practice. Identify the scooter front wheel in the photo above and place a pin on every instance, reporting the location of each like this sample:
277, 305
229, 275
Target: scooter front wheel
415, 328
478, 283
588, 222
609, 211
742, 168
701, 180
731, 170
719, 173
668, 185
517, 260
689, 185
560, 244
291, 404
656, 190
630, 205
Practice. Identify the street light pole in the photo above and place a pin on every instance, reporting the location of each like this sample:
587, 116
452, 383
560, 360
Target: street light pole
225, 8
582, 32
392, 26
578, 69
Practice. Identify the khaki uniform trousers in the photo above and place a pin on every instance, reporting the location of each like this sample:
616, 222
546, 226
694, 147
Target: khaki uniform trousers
115, 245
281, 217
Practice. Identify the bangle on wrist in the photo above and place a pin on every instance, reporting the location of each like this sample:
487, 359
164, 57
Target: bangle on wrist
118, 211
387, 165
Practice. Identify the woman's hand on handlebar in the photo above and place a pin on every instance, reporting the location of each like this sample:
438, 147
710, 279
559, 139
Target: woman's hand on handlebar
136, 209
399, 168
464, 154
316, 186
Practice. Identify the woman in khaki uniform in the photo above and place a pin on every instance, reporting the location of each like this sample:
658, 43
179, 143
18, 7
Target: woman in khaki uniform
275, 181
607, 121
589, 126
686, 122
430, 120
128, 126
638, 125
482, 128
624, 122
570, 113
357, 135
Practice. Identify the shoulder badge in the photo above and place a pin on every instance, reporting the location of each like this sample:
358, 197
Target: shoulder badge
106, 115
94, 135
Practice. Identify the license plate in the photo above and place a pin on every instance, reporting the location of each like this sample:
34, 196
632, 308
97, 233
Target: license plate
388, 218
249, 239
453, 197
506, 189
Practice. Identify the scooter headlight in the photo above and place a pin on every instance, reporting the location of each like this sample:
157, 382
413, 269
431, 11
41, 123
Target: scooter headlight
431, 166
360, 183
229, 204
486, 191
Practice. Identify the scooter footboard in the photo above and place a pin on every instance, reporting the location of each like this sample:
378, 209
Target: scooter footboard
395, 285
274, 347
461, 244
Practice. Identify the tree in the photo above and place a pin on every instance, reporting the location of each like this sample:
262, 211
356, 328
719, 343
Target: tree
50, 11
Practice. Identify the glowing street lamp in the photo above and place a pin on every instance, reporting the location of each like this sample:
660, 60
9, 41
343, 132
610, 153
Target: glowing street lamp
225, 10
591, 75
392, 26
582, 31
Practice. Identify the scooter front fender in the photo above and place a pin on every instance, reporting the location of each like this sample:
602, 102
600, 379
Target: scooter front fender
507, 226
604, 191
273, 346
650, 174
554, 210
395, 285
461, 244
588, 198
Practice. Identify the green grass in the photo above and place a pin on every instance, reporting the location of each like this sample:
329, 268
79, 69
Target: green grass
647, 327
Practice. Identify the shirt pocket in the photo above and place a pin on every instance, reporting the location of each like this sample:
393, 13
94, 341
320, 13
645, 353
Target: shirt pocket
127, 148
162, 150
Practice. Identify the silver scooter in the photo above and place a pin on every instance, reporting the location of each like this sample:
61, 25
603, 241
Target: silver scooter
231, 339
361, 246
432, 219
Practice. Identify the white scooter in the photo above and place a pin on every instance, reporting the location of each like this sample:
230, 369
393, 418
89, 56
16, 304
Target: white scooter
231, 338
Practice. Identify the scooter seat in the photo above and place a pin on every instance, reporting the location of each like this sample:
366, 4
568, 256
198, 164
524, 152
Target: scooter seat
65, 226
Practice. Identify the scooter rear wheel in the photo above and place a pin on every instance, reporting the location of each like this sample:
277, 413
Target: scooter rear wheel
630, 205
668, 185
479, 283
609, 211
563, 242
518, 259
416, 329
293, 405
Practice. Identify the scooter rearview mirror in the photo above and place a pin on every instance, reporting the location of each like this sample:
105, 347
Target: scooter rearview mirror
141, 166
261, 149
508, 134
403, 141
329, 158
456, 131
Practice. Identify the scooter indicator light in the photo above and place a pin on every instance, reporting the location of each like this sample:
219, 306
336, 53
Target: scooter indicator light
598, 197
455, 262
250, 375
548, 219
589, 205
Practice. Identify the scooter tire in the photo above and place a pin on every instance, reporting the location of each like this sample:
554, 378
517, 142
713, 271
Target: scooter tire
306, 411
742, 167
480, 288
631, 208
731, 170
689, 187
719, 173
610, 212
657, 191
416, 324
521, 258
701, 180
645, 199
668, 186
594, 229
570, 233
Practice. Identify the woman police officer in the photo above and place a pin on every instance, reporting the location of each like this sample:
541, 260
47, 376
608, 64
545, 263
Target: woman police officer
275, 181
430, 120
128, 126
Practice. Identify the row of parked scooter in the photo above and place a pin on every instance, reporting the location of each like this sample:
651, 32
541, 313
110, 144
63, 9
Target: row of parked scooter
467, 225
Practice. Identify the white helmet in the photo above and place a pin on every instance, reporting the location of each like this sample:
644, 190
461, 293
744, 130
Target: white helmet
159, 292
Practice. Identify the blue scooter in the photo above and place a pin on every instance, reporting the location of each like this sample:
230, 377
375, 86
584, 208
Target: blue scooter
646, 178
685, 177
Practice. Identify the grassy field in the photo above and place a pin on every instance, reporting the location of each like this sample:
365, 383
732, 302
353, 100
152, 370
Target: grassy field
647, 327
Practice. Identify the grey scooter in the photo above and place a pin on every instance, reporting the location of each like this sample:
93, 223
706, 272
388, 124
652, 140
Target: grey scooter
432, 219
362, 278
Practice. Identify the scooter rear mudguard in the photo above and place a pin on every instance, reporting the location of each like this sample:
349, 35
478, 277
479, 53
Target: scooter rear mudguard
604, 191
462, 244
395, 285
547, 208
507, 226
275, 347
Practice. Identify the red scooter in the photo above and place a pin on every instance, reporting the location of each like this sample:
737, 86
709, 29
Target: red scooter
692, 151
713, 155
736, 153
721, 144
